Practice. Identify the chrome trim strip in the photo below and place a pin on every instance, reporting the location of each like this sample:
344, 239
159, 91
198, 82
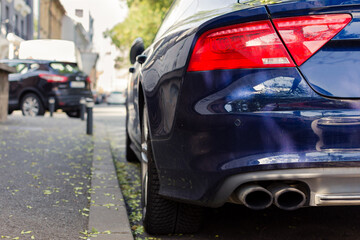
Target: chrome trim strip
335, 200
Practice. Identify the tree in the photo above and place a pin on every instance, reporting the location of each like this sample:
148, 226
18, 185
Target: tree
143, 20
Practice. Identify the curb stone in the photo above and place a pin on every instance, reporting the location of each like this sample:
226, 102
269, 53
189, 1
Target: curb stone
108, 215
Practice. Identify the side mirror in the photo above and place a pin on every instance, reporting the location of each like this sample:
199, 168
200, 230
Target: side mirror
136, 49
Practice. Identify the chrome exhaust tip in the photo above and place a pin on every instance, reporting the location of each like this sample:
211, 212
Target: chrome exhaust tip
287, 197
254, 196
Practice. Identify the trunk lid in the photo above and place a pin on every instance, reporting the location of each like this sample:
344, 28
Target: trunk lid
333, 70
77, 81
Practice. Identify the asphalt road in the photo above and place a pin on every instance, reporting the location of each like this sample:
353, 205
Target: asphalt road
44, 177
233, 222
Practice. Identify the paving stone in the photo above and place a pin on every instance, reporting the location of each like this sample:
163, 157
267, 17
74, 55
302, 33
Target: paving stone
104, 167
104, 182
108, 196
107, 210
113, 236
112, 219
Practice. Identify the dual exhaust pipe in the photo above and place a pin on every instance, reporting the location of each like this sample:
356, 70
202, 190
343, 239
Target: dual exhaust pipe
282, 195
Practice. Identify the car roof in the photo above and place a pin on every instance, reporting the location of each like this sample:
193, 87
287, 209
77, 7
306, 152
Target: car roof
22, 61
30, 61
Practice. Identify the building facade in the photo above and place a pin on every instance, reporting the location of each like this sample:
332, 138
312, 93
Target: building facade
17, 25
50, 20
74, 30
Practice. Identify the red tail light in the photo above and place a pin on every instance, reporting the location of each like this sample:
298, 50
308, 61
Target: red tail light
257, 45
305, 35
53, 77
248, 45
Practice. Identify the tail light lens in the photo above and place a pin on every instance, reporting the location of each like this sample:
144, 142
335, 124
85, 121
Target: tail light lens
248, 45
305, 35
257, 45
53, 77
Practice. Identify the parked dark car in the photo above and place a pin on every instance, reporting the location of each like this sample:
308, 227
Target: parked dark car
248, 103
36, 81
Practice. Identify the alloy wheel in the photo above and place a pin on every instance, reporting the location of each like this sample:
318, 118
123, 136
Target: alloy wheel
30, 106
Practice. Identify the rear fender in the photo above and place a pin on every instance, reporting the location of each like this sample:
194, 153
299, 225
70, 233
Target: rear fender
34, 91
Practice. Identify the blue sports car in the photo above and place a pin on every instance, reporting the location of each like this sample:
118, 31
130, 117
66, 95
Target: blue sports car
249, 102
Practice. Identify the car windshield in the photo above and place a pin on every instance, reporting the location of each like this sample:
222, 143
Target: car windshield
64, 68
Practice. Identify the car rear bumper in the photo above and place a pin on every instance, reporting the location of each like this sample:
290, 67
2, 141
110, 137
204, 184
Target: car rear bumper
332, 178
235, 122
70, 102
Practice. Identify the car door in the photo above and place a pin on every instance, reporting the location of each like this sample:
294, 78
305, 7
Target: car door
16, 83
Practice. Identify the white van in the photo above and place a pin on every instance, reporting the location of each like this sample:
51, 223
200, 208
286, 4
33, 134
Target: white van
51, 50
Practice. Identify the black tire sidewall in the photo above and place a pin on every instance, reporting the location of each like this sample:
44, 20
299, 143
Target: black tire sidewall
164, 216
129, 153
73, 113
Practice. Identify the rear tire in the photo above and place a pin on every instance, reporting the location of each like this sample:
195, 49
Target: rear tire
73, 114
31, 105
160, 215
130, 155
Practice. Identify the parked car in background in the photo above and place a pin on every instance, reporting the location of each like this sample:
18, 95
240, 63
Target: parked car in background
246, 102
116, 97
36, 81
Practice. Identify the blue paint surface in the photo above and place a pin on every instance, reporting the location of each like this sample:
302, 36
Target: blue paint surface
208, 126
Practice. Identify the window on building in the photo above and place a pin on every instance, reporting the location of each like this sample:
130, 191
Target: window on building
79, 13
16, 24
7, 15
22, 29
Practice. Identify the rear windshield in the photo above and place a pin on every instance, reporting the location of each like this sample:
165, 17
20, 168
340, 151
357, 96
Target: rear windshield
64, 68
20, 68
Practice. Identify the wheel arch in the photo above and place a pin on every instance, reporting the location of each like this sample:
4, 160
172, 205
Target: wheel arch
33, 91
141, 102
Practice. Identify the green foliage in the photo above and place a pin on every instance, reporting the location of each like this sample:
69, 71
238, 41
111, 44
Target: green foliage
143, 20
